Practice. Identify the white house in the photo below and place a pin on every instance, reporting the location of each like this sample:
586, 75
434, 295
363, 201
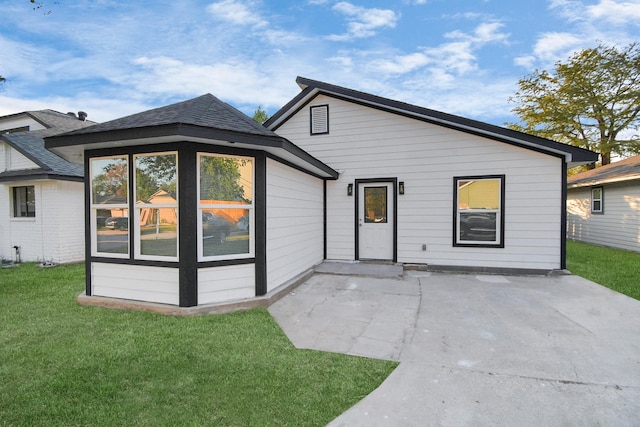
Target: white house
603, 205
336, 174
41, 194
457, 193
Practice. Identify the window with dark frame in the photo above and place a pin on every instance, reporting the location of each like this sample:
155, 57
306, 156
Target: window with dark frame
319, 119
479, 211
24, 202
226, 207
597, 200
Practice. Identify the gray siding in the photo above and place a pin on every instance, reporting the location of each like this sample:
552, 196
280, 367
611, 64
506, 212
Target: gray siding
618, 226
368, 143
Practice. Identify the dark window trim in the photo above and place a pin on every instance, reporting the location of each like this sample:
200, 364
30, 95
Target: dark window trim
601, 210
314, 107
15, 205
500, 243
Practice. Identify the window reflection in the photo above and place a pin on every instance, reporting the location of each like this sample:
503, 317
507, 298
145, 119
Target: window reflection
109, 180
157, 204
112, 231
375, 204
226, 205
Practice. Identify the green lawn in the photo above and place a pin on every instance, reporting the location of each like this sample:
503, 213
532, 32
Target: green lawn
614, 268
62, 364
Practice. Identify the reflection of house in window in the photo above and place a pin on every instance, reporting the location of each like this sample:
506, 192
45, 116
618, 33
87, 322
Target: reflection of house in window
152, 216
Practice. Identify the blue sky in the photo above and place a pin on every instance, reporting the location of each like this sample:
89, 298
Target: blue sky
114, 58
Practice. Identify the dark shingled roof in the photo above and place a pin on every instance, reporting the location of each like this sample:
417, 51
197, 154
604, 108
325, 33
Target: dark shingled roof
204, 119
206, 111
31, 145
624, 170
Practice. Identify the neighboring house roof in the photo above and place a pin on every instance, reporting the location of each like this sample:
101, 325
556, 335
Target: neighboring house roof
311, 88
31, 145
204, 119
624, 170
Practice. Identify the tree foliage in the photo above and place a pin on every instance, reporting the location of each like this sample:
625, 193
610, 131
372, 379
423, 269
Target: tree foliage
260, 115
590, 101
220, 179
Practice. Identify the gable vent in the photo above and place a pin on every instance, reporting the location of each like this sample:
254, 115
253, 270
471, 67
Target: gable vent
319, 119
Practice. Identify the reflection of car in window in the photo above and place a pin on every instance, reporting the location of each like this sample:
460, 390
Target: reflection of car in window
216, 227
120, 223
478, 226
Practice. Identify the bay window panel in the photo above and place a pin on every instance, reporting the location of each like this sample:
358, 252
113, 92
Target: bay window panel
109, 180
158, 231
156, 199
225, 232
225, 187
112, 233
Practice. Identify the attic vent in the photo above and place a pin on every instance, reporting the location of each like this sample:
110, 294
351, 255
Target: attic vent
319, 119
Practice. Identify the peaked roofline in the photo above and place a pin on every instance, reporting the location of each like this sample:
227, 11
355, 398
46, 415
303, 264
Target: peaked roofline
312, 88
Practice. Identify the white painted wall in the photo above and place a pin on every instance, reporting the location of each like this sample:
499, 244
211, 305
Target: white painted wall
135, 282
294, 223
55, 234
221, 284
618, 226
368, 143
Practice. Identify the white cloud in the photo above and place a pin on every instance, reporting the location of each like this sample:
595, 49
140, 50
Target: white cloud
363, 22
615, 12
401, 64
236, 12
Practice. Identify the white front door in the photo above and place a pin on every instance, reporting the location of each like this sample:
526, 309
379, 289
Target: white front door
375, 220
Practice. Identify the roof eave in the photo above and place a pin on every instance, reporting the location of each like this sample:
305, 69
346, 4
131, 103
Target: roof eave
71, 147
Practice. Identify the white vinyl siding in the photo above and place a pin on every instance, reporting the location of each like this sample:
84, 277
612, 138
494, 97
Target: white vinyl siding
220, 284
135, 282
619, 224
369, 143
294, 223
17, 161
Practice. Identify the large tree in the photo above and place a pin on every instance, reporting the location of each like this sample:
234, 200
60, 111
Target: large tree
591, 101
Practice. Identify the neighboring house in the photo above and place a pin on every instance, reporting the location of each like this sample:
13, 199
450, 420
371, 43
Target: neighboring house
41, 194
336, 174
603, 205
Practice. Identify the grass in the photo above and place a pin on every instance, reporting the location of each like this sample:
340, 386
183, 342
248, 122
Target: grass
62, 364
614, 268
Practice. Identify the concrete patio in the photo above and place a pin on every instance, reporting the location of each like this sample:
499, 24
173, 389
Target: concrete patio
475, 350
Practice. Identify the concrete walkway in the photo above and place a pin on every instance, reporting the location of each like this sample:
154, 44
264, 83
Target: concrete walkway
476, 350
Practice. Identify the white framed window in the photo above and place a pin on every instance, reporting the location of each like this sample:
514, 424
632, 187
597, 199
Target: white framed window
155, 207
23, 200
225, 207
597, 200
109, 206
319, 119
479, 211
